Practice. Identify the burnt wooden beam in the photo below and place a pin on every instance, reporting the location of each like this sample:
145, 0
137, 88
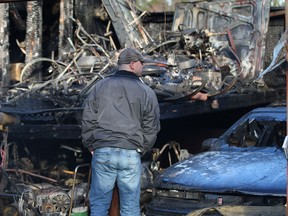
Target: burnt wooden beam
4, 48
65, 26
34, 33
34, 30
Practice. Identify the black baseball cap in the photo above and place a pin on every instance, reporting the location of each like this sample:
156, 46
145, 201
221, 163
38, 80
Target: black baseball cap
129, 55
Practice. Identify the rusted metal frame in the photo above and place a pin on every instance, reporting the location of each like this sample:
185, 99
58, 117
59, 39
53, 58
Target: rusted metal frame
226, 89
231, 40
173, 144
24, 198
36, 61
92, 82
59, 77
65, 27
32, 174
209, 8
70, 64
79, 30
4, 48
91, 37
120, 15
34, 35
136, 21
77, 55
232, 48
259, 25
74, 182
114, 13
234, 80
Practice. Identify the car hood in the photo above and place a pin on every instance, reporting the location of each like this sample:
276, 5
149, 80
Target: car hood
256, 173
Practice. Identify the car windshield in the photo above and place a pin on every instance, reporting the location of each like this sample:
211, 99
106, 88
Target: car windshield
258, 131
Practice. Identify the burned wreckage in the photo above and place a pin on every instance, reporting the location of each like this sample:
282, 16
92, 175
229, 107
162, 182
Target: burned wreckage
51, 58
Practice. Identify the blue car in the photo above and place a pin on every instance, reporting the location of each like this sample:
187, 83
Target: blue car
243, 172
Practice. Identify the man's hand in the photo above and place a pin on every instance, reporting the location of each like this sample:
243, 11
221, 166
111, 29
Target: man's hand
199, 96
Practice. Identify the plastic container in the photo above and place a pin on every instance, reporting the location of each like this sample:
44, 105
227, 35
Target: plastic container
80, 211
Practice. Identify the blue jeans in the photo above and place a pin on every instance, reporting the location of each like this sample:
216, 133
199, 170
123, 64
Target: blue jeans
110, 166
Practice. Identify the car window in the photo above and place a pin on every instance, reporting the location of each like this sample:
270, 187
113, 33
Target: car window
258, 133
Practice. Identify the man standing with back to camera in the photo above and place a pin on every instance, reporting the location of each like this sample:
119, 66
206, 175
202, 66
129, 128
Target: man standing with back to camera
120, 122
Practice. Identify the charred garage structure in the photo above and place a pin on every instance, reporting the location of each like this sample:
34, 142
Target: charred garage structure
52, 52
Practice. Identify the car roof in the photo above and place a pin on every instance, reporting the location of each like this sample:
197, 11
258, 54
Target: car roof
276, 113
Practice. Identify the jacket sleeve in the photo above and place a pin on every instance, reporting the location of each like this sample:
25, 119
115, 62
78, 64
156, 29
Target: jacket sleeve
89, 122
151, 122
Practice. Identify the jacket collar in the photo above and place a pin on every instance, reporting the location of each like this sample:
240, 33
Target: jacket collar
124, 73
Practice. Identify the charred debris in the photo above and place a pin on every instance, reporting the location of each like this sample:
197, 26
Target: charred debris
52, 52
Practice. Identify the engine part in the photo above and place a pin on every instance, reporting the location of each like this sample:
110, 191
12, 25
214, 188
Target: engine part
53, 200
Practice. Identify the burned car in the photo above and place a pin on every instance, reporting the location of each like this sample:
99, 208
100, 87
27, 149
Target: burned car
243, 172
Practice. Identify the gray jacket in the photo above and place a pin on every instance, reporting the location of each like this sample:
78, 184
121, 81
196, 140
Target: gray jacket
121, 111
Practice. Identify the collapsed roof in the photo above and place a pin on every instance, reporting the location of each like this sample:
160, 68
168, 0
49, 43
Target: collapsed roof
213, 47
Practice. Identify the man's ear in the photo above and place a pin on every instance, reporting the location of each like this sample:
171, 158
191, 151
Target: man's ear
132, 65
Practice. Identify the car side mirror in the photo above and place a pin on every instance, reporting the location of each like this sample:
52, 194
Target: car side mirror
285, 147
211, 144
